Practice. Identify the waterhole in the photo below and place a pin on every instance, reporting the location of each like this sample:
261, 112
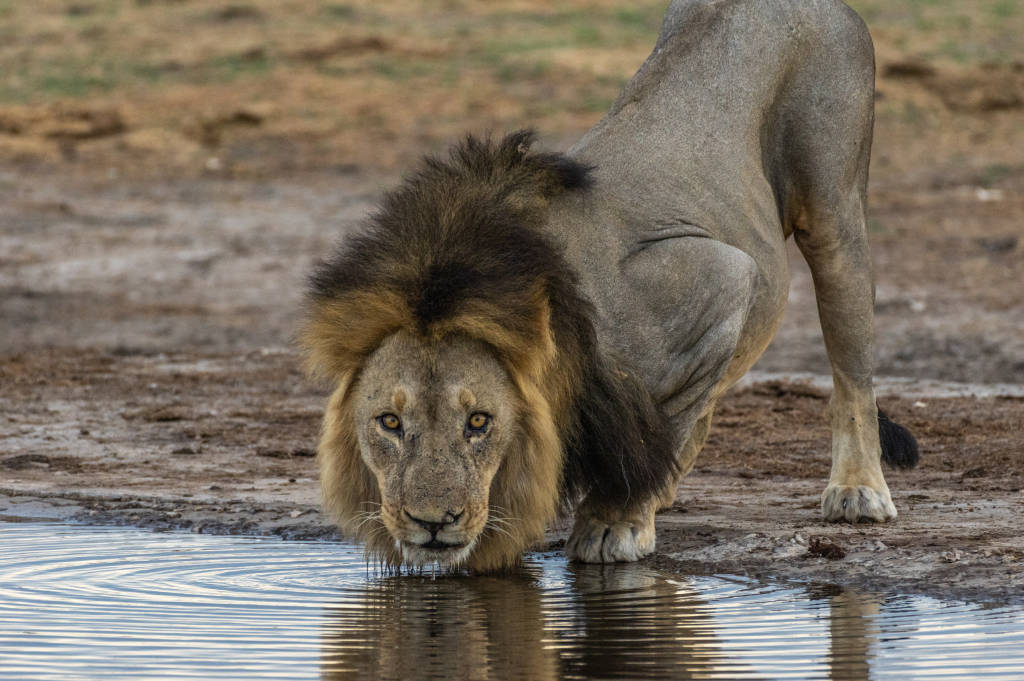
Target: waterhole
95, 603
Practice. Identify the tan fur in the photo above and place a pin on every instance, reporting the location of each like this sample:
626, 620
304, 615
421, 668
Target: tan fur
399, 399
349, 488
342, 332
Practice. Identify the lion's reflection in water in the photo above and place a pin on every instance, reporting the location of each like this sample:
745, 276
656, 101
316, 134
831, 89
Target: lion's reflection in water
449, 628
589, 621
604, 621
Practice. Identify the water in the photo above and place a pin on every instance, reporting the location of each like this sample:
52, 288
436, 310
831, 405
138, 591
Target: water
89, 603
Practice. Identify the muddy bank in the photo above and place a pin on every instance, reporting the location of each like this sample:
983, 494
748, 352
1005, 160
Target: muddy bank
223, 444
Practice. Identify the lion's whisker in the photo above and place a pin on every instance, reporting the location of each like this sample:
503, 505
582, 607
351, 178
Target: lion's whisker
367, 518
498, 530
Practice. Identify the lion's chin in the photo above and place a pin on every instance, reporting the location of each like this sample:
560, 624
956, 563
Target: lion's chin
418, 556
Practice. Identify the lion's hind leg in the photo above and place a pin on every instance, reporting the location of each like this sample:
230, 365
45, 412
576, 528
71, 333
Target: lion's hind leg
835, 247
898, 449
823, 146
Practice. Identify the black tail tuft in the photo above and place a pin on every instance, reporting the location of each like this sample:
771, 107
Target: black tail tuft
899, 448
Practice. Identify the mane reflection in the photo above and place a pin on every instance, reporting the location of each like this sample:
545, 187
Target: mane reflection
585, 621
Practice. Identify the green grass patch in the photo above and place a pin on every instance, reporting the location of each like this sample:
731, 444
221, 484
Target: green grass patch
339, 11
593, 100
955, 50
588, 35
401, 69
1004, 9
640, 20
73, 84
514, 72
229, 67
993, 174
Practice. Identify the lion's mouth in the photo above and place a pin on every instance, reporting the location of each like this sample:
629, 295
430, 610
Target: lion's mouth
435, 551
436, 544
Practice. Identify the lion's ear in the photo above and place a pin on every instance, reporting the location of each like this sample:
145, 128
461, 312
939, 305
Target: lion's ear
549, 173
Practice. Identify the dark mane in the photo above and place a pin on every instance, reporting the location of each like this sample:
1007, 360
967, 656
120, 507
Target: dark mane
459, 221
463, 236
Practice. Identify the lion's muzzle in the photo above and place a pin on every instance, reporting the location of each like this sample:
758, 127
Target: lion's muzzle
443, 534
427, 536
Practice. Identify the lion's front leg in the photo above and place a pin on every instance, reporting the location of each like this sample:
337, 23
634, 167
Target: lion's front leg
609, 535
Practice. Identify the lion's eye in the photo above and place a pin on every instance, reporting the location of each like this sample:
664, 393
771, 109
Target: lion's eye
478, 422
390, 422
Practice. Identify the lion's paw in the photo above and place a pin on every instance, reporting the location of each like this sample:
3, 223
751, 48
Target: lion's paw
857, 503
597, 541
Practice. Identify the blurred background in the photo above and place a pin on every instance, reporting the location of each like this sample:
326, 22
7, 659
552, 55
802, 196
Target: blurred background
169, 169
265, 86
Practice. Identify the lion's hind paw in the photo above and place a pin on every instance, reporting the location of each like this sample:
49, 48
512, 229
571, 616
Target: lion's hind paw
856, 504
596, 541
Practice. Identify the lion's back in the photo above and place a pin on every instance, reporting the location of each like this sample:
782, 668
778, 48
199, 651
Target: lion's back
776, 20
728, 85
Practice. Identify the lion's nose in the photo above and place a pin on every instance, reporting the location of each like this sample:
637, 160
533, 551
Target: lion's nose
435, 526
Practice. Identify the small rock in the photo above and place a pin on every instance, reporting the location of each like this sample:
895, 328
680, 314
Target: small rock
826, 548
998, 244
295, 514
788, 551
910, 68
20, 462
920, 405
952, 556
986, 195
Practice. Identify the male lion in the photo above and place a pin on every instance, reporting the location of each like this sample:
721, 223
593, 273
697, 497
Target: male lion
514, 331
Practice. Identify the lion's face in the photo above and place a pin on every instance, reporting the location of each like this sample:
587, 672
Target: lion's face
434, 421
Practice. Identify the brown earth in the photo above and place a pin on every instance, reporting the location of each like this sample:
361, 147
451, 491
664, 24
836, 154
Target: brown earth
158, 215
224, 444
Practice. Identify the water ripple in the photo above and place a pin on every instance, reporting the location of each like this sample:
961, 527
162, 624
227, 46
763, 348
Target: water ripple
90, 603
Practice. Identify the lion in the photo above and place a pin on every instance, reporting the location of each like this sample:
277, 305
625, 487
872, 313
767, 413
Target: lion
515, 333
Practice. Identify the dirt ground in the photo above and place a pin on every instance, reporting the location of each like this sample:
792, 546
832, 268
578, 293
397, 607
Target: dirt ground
157, 218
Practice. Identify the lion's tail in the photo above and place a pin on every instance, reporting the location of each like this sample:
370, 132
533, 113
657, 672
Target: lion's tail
899, 448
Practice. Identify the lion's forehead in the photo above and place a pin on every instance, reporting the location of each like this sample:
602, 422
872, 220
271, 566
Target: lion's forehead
454, 373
